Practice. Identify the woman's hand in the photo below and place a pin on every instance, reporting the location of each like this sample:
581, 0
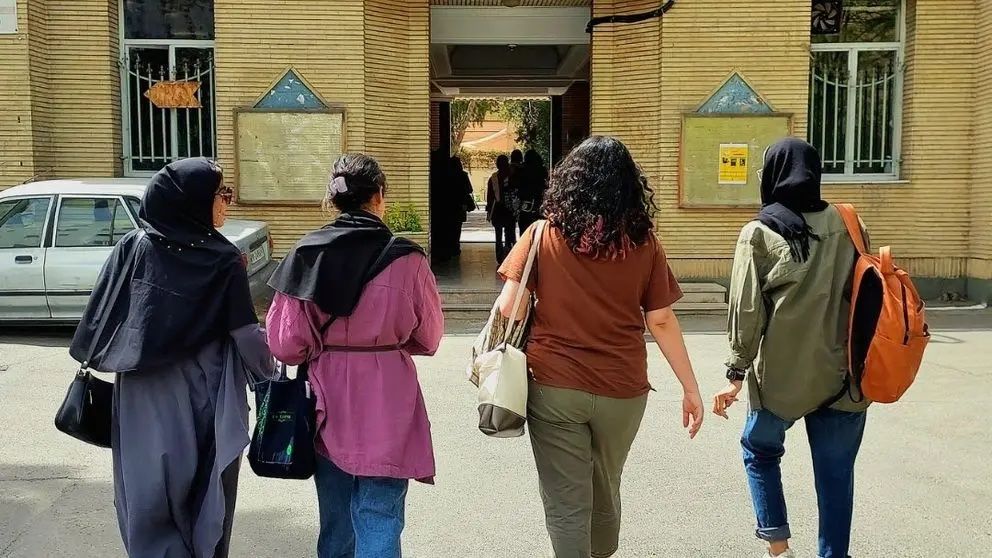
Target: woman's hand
725, 398
692, 412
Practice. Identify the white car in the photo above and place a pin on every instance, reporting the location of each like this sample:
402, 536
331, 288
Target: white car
56, 235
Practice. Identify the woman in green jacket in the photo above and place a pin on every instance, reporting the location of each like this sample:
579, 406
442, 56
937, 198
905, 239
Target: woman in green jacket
789, 307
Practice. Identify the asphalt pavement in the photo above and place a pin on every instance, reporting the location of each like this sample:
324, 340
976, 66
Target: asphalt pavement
924, 478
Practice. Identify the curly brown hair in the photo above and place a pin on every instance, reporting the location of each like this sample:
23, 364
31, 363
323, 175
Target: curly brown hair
600, 199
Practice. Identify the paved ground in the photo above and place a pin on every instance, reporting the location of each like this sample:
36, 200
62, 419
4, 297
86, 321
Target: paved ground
925, 474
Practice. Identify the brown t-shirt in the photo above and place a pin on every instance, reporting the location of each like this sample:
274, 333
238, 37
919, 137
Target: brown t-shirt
588, 331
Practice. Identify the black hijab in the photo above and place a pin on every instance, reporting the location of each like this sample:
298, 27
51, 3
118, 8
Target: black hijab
331, 266
790, 186
186, 286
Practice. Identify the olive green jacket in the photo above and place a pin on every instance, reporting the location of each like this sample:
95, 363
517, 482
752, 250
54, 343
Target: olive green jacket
788, 321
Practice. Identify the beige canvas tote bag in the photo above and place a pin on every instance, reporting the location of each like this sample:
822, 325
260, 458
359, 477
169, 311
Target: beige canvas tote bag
499, 364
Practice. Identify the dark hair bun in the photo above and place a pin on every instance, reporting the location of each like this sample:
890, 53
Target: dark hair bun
355, 180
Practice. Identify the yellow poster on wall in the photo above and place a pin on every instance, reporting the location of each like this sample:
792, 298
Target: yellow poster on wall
733, 163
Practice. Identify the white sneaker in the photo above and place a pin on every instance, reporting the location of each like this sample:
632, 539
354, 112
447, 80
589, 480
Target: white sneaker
786, 554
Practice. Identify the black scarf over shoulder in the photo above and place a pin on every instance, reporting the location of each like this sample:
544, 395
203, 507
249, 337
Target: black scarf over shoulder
187, 285
331, 266
790, 186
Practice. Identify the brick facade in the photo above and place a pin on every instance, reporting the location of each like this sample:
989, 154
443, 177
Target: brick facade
61, 116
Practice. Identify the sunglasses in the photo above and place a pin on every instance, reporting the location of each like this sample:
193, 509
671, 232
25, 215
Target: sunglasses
226, 193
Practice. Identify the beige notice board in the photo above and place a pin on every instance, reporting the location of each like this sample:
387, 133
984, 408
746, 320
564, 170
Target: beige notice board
285, 156
721, 155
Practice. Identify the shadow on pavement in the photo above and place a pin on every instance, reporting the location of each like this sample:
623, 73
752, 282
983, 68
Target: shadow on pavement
49, 511
37, 336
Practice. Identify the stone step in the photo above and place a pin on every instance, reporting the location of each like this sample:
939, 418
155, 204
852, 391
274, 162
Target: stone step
466, 311
701, 308
695, 293
456, 296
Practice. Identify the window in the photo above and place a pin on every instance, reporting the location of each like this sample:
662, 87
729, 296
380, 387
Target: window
135, 205
856, 88
167, 79
88, 222
169, 19
22, 222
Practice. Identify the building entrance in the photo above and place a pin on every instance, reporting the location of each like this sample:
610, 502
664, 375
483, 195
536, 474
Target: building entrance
502, 79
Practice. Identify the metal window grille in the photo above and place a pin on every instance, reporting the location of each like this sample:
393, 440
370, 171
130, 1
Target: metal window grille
855, 106
854, 110
154, 137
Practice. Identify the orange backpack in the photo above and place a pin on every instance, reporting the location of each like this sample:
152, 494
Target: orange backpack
888, 329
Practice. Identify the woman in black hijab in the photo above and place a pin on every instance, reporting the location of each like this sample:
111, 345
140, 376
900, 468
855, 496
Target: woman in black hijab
790, 186
463, 203
183, 339
788, 330
532, 185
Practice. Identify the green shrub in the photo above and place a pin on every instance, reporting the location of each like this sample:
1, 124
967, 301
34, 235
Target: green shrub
403, 218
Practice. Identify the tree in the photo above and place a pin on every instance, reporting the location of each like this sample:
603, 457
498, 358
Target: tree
464, 113
532, 119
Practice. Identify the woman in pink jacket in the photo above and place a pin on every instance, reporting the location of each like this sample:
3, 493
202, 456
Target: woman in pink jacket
355, 302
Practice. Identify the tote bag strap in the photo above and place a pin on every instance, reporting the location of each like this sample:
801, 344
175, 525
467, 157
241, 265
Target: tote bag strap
535, 246
113, 299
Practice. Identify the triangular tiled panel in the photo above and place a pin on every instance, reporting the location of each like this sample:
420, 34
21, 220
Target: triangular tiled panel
735, 97
291, 93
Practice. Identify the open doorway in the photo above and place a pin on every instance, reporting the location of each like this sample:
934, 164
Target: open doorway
502, 79
492, 184
480, 205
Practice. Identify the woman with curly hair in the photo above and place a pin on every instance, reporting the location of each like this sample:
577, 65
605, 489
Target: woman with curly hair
601, 275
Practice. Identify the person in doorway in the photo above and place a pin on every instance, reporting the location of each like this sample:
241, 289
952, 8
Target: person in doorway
183, 338
516, 176
793, 262
533, 182
441, 207
498, 209
355, 302
463, 200
601, 275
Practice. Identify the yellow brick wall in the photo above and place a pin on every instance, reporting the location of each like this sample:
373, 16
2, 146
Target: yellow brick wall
255, 45
41, 90
17, 149
398, 98
369, 56
980, 266
83, 48
60, 93
645, 76
524, 3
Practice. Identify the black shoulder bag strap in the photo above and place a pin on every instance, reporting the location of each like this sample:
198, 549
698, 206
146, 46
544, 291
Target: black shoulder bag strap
114, 293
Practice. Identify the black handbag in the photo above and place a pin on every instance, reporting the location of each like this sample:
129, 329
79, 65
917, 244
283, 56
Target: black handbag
87, 410
282, 446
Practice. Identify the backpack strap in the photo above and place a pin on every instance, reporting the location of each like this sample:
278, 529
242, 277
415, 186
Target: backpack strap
850, 216
853, 224
840, 395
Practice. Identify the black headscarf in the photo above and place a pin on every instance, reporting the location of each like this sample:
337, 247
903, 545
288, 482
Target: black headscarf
790, 186
187, 285
331, 266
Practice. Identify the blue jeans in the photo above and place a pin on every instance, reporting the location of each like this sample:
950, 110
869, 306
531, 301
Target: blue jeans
834, 440
360, 517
